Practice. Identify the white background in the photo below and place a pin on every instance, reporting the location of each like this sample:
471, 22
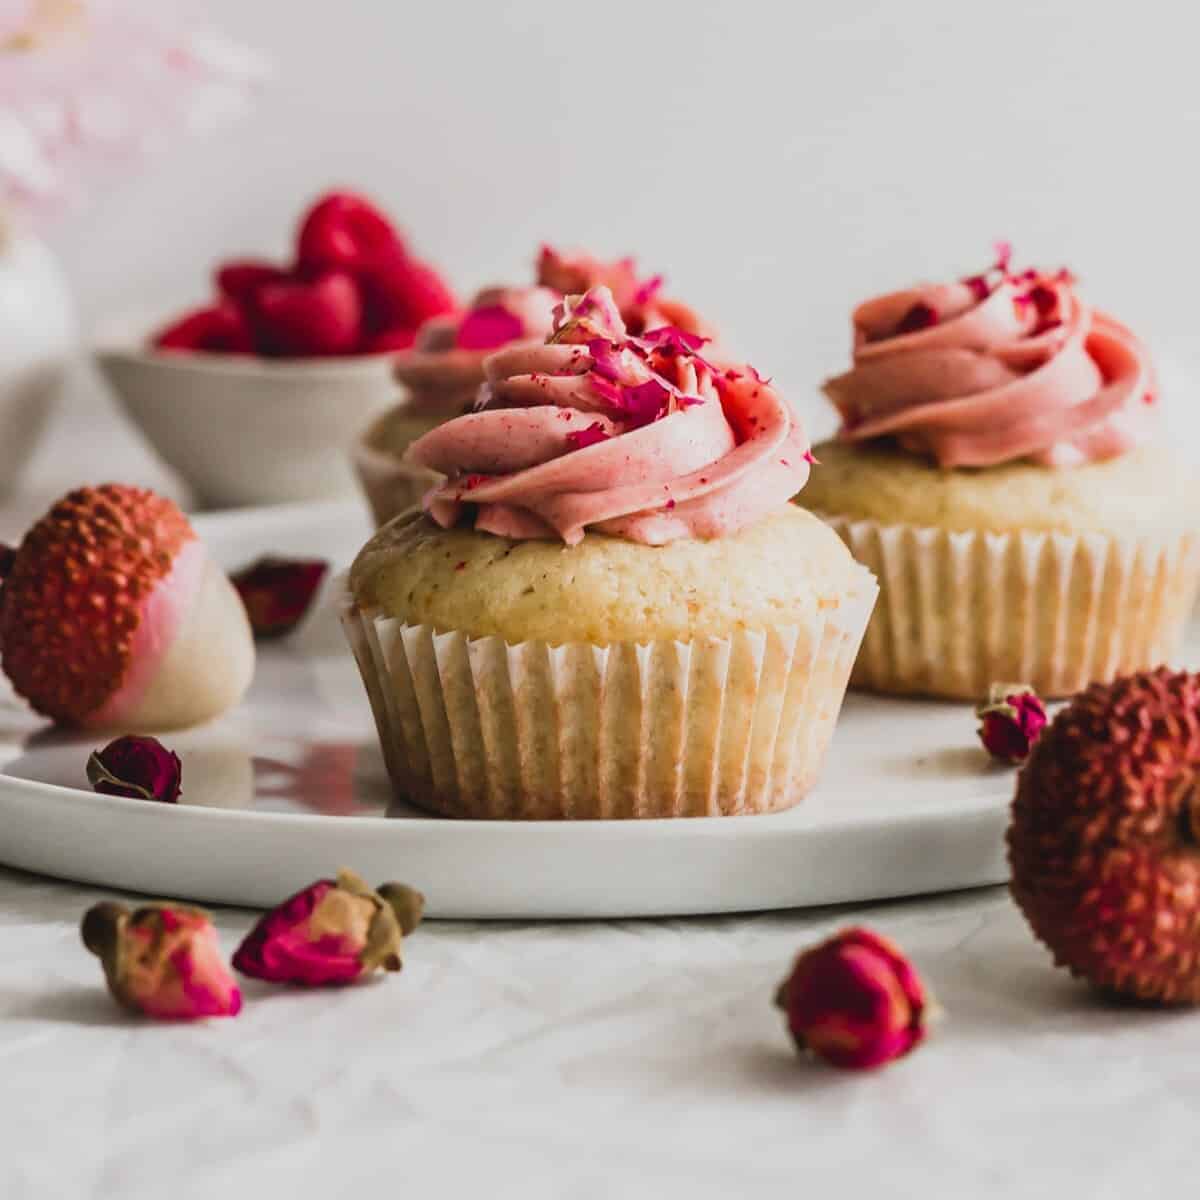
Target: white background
777, 160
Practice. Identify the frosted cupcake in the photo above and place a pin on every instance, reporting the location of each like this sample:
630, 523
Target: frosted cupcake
609, 609
443, 372
996, 468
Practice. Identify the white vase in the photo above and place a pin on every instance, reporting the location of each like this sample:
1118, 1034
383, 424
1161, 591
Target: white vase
37, 341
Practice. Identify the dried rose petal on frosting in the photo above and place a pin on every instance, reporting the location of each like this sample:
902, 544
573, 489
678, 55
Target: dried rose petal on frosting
162, 960
141, 768
487, 327
640, 301
1000, 366
498, 316
332, 932
594, 316
637, 437
595, 432
648, 290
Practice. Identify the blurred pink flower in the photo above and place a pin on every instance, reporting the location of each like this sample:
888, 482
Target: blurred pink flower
89, 86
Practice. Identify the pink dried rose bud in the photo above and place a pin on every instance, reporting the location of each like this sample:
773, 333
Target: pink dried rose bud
162, 960
1011, 721
854, 1001
277, 592
139, 767
334, 931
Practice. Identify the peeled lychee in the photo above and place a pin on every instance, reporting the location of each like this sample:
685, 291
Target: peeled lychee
1104, 843
114, 616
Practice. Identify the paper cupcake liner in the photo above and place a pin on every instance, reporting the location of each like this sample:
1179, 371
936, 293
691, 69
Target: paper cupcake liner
391, 485
958, 611
480, 728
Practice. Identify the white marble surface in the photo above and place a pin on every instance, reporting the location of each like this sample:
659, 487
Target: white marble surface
578, 1061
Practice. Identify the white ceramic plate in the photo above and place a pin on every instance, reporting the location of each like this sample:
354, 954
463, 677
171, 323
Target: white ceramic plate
292, 785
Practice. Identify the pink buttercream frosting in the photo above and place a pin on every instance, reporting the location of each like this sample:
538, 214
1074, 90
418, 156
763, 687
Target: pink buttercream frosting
997, 367
495, 317
637, 437
163, 614
444, 368
640, 300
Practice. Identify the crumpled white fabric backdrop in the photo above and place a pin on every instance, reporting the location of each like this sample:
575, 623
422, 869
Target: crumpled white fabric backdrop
630, 1059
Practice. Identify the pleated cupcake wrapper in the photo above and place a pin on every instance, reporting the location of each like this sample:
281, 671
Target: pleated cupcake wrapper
480, 728
390, 484
959, 611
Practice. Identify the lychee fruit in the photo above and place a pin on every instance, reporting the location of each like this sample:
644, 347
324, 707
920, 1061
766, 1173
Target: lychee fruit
114, 616
1104, 842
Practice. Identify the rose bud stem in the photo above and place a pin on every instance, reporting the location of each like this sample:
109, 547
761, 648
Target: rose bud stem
407, 903
100, 925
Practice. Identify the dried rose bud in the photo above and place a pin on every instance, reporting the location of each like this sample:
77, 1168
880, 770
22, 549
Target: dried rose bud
331, 932
162, 960
277, 592
1011, 721
139, 767
854, 1001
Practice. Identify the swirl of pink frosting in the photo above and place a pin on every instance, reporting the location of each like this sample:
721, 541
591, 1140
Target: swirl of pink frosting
640, 300
995, 368
637, 437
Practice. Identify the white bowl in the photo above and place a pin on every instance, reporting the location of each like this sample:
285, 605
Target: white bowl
243, 430
37, 339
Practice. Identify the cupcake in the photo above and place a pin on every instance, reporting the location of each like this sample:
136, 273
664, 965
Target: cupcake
444, 371
997, 469
609, 608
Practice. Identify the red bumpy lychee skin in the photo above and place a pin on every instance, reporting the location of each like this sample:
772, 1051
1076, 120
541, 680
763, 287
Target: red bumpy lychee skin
1104, 842
71, 601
